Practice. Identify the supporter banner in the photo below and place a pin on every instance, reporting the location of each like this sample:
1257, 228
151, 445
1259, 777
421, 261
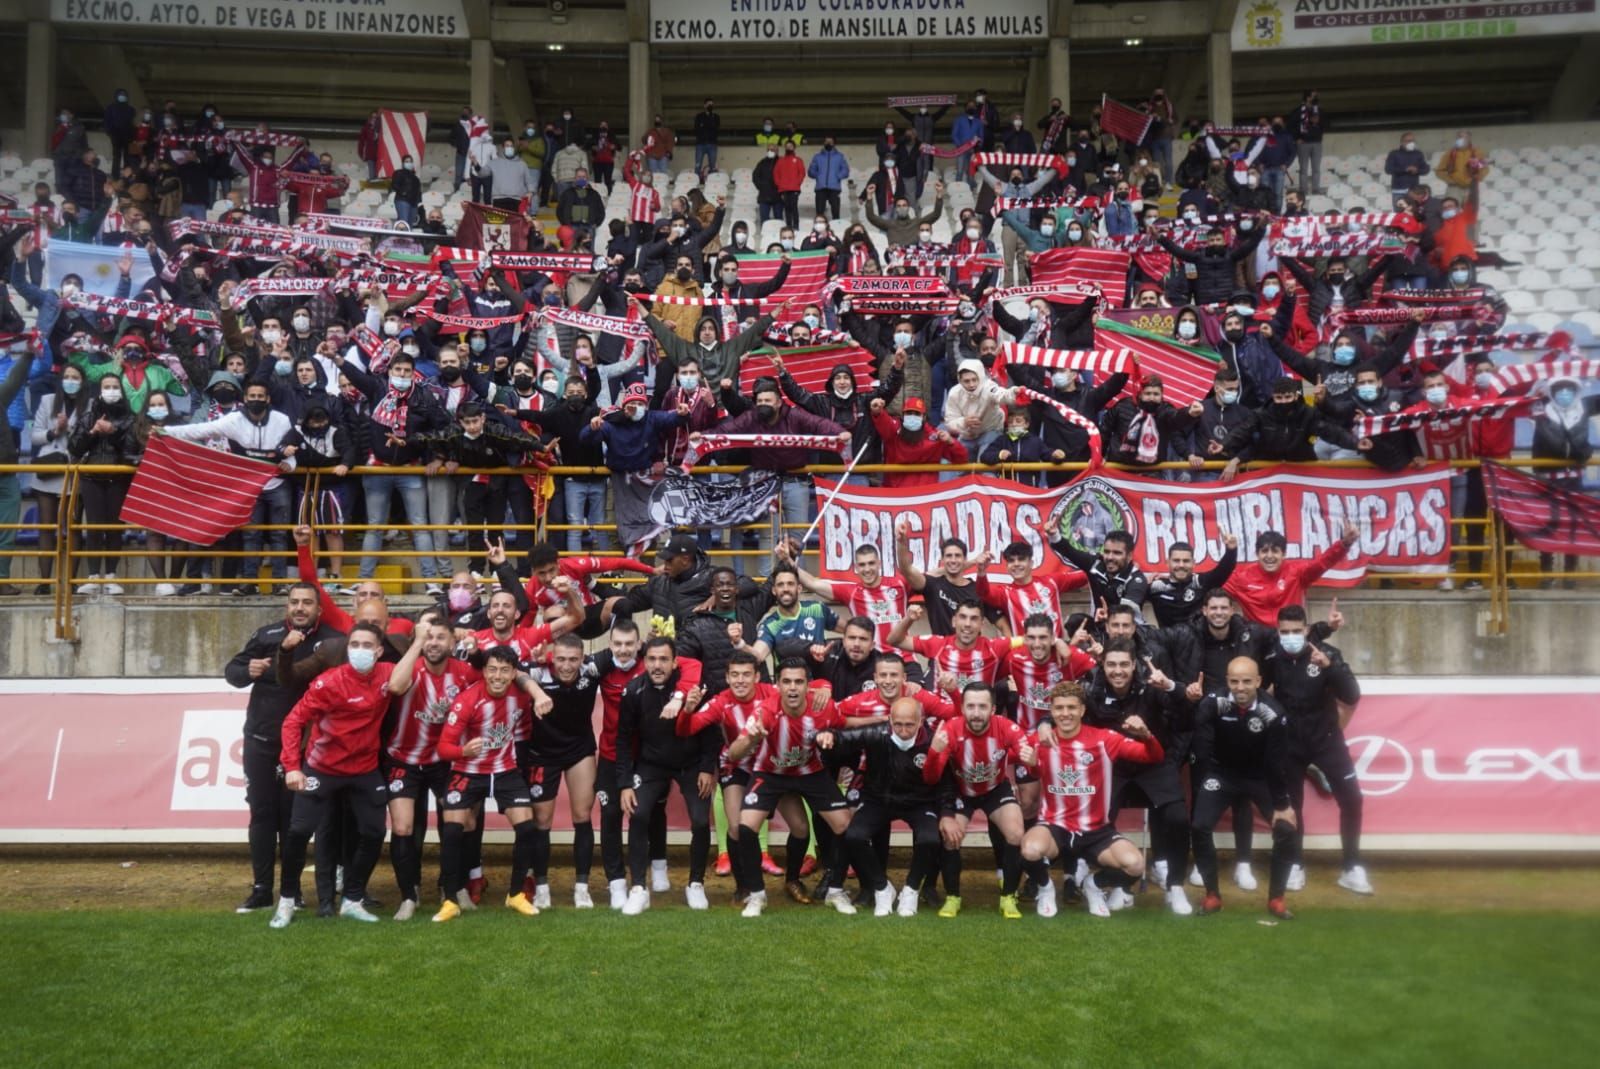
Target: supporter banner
1514, 375
1104, 269
594, 321
400, 134
455, 323
1422, 414
193, 493
702, 444
1268, 25
878, 285
1119, 120
1101, 361
807, 272
144, 311
98, 266
546, 262
905, 306
424, 19
1404, 518
1545, 516
706, 21
810, 367
250, 289
1073, 416
1188, 371
690, 501
491, 229
927, 100
929, 149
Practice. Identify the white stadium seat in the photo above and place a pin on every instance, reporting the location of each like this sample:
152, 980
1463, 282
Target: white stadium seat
1561, 301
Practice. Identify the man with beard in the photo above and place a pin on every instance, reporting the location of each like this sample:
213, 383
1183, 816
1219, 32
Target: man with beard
524, 641
1113, 577
1177, 596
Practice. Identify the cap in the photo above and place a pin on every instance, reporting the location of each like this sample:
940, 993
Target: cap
133, 341
633, 393
915, 404
678, 545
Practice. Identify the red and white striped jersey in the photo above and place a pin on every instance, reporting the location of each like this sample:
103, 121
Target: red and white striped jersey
644, 202
873, 703
502, 722
1032, 682
983, 663
425, 708
731, 714
1076, 775
1042, 593
979, 760
790, 747
884, 604
525, 640
581, 571
1447, 439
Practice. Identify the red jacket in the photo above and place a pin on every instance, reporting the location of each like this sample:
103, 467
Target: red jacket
788, 173
345, 711
925, 450
1492, 438
367, 141
1261, 594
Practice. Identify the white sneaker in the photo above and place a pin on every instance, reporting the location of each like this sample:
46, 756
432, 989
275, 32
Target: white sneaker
695, 895
1243, 878
408, 909
580, 897
91, 587
1297, 878
1354, 879
1095, 900
541, 896
338, 879
638, 901
1118, 899
883, 901
907, 906
283, 914
1158, 873
1447, 583
839, 899
658, 876
755, 904
350, 909
166, 590
1195, 879
1179, 902
1045, 904
464, 900
619, 893
111, 588
1080, 873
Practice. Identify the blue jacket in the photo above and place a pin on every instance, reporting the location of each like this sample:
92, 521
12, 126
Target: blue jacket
630, 446
965, 128
1119, 219
829, 168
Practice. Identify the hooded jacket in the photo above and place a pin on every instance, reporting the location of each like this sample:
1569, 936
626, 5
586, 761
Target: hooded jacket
851, 413
720, 361
668, 596
1213, 274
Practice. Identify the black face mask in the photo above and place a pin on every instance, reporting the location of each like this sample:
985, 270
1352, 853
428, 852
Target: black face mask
577, 403
685, 274
316, 428
1150, 406
1285, 408
226, 397
523, 382
1335, 280
449, 374
767, 412
1215, 253
256, 408
1235, 335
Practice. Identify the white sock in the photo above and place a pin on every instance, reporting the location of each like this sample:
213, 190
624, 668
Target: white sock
476, 873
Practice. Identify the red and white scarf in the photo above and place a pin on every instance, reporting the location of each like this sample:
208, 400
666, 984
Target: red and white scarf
1101, 361
145, 311
1073, 416
594, 321
1513, 375
279, 286
715, 443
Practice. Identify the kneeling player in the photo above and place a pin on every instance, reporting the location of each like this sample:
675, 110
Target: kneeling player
1075, 770
979, 746
479, 741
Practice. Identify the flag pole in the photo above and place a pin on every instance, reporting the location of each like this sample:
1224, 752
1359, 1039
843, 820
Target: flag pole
836, 488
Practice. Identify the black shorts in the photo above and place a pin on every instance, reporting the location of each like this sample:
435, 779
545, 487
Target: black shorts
592, 628
1145, 786
817, 788
544, 776
410, 781
467, 790
733, 777
1088, 845
987, 802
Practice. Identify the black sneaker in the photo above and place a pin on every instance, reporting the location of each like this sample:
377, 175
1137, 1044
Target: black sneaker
1029, 891
932, 896
325, 909
260, 898
371, 905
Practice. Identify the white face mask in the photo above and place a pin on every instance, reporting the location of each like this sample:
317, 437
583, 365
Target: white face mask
391, 327
1292, 644
1461, 142
1048, 229
1436, 395
400, 382
1411, 146
110, 395
510, 151
925, 237
912, 422
902, 744
973, 233
272, 337
622, 666
69, 289
1186, 329
819, 228
362, 659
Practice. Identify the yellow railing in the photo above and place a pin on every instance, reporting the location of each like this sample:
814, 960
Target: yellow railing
1505, 566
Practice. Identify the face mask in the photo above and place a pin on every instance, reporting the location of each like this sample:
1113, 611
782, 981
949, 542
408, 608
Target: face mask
1015, 433
1016, 124
965, 310
156, 413
1234, 334
819, 228
685, 274
637, 412
1461, 142
1565, 396
811, 321
111, 395
316, 428
272, 337
258, 407
1253, 182
902, 213
1270, 291
1187, 329
973, 233
902, 744
1072, 161
1411, 146
1482, 380
69, 289
282, 367
772, 154
522, 382
689, 383
1344, 354
510, 152
402, 383
1191, 217
405, 165
766, 412
70, 387
576, 403
450, 374
391, 327
888, 165
766, 128
1448, 213
1436, 395
1292, 644
912, 422
459, 600
741, 238
788, 244
478, 345
1229, 397
1368, 391
1335, 281
902, 340
363, 659
411, 351
1150, 406
1061, 379
925, 237
729, 277
302, 323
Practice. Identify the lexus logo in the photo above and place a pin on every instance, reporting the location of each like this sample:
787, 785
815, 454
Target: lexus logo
1383, 766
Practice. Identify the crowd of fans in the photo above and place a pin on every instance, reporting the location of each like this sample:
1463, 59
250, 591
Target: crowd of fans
354, 375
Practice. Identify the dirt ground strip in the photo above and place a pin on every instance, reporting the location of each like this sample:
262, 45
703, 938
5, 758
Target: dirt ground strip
63, 878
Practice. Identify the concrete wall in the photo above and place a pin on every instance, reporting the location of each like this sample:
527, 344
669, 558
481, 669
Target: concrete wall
1386, 634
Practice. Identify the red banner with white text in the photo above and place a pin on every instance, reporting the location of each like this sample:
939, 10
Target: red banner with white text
1403, 518
1441, 764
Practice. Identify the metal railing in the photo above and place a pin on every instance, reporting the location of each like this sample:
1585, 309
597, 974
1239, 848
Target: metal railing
1504, 566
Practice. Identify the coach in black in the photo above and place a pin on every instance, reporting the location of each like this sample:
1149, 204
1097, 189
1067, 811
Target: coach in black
1240, 752
255, 667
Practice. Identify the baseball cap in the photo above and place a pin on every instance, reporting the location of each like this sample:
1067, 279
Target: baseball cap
915, 404
677, 546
